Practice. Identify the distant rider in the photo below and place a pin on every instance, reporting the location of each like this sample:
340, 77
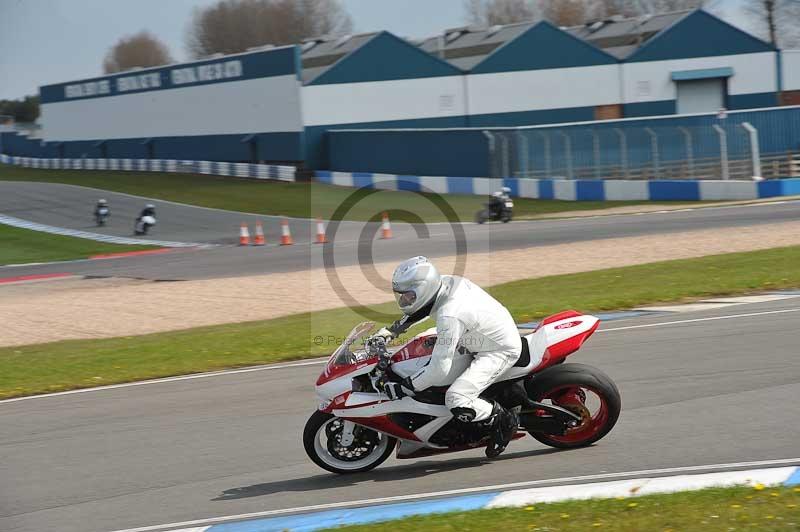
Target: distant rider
468, 321
149, 210
101, 204
497, 201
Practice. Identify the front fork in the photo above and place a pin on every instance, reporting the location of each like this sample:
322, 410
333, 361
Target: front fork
347, 433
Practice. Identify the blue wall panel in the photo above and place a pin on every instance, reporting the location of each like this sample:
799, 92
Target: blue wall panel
546, 189
590, 191
663, 107
391, 152
674, 190
752, 101
409, 183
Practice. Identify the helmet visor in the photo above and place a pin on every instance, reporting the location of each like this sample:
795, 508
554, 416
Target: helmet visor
405, 299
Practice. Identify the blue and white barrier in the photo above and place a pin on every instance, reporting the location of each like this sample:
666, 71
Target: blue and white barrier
254, 171
572, 190
616, 487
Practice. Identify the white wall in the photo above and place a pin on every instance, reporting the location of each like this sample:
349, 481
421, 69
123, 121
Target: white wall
651, 81
790, 64
378, 101
532, 90
260, 105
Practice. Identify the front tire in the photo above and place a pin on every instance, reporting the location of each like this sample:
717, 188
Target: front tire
574, 386
369, 450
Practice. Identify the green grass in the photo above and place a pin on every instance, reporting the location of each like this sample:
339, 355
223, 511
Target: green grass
71, 364
710, 510
19, 246
304, 200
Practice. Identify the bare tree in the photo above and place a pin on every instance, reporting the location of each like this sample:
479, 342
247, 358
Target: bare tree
778, 21
232, 26
568, 12
140, 50
493, 12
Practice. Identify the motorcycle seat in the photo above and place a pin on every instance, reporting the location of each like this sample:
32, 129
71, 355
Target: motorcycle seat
525, 355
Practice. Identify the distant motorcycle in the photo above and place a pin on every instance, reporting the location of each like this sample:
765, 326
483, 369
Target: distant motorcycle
143, 224
101, 215
496, 211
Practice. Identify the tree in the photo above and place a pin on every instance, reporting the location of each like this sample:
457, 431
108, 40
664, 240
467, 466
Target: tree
494, 12
140, 50
232, 26
24, 110
777, 21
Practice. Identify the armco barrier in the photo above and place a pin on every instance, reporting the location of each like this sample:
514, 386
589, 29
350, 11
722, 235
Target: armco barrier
571, 190
253, 171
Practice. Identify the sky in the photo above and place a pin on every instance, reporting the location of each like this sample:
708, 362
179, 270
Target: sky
50, 41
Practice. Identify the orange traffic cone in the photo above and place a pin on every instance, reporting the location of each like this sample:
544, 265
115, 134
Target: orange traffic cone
386, 227
286, 235
320, 232
244, 235
259, 239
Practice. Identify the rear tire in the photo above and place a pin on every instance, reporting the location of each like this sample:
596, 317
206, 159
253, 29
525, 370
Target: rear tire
566, 376
322, 456
481, 217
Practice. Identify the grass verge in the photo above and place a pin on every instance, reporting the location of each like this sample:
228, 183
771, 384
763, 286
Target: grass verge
716, 509
303, 200
41, 368
19, 246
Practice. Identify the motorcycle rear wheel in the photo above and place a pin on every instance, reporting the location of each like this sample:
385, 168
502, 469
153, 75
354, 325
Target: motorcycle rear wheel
569, 386
378, 447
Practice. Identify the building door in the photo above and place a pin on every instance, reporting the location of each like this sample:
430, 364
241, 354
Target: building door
701, 95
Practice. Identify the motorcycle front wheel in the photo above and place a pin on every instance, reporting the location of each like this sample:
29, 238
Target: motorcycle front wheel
322, 442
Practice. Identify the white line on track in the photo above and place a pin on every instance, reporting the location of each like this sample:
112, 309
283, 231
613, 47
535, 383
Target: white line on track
715, 318
315, 361
320, 361
463, 491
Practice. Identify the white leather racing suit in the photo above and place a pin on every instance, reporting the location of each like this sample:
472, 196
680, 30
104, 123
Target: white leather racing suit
467, 317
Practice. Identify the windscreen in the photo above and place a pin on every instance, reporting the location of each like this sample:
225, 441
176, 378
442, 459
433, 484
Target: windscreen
343, 354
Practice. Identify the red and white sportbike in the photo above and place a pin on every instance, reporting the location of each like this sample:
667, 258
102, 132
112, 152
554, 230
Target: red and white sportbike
356, 427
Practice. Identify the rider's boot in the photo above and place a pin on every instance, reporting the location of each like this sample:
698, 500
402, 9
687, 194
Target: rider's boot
504, 425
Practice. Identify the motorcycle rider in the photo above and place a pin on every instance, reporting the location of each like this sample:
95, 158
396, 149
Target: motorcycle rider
468, 321
149, 210
497, 201
101, 204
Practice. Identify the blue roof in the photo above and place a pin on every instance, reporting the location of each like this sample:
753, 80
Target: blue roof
384, 57
699, 34
543, 46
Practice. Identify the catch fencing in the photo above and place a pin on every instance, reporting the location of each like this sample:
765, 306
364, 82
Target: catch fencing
722, 147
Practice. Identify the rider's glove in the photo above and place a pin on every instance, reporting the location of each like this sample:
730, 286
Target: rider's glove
385, 333
398, 390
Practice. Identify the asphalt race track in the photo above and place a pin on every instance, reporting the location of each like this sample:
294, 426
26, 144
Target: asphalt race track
712, 391
70, 206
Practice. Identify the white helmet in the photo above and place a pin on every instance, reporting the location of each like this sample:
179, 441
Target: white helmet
415, 283
506, 190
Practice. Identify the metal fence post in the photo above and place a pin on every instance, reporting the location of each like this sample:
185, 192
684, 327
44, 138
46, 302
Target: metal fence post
523, 154
623, 151
548, 161
492, 155
755, 151
689, 150
567, 153
723, 151
505, 156
596, 153
654, 147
